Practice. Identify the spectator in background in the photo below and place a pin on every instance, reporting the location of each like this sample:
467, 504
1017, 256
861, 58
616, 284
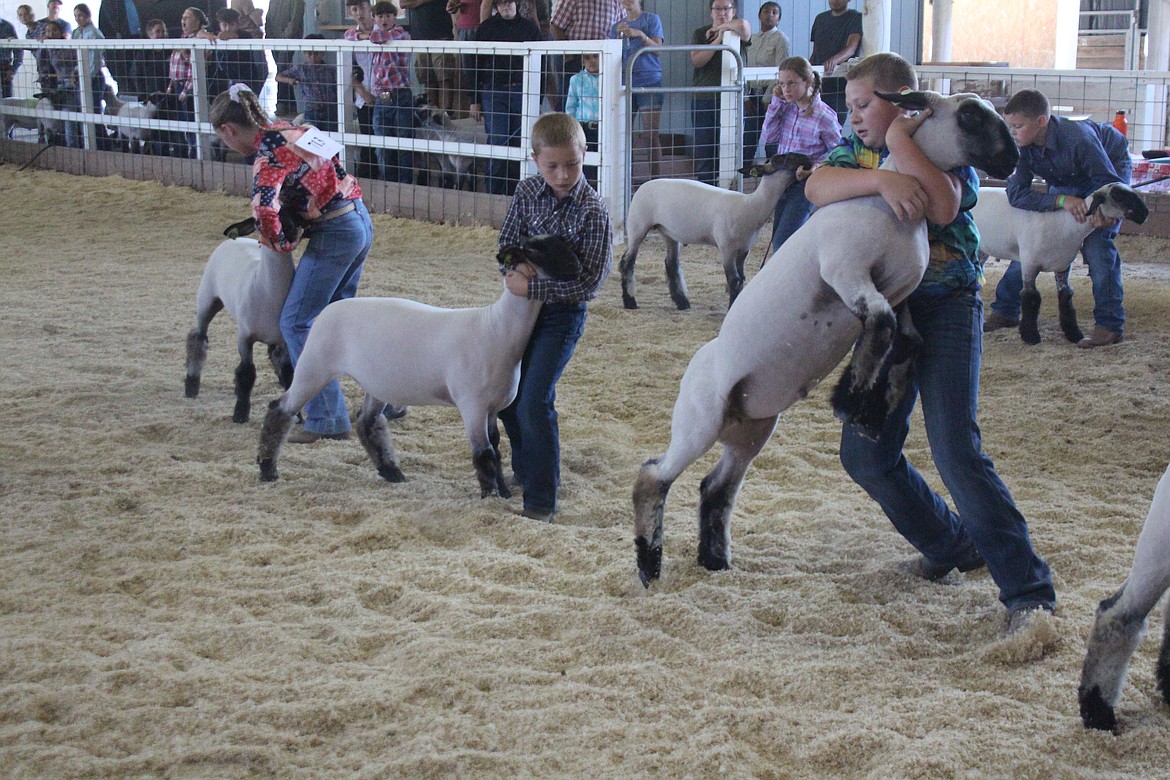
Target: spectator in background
581, 20
251, 18
363, 68
9, 58
498, 81
436, 71
836, 36
26, 16
154, 65
708, 73
46, 73
316, 83
234, 66
640, 29
393, 98
120, 19
769, 48
286, 21
63, 65
193, 22
583, 103
90, 77
464, 19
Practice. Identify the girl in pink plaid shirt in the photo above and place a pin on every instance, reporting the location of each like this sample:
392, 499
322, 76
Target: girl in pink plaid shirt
797, 121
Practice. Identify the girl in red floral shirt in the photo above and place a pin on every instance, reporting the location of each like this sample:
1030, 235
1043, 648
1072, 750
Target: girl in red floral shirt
290, 173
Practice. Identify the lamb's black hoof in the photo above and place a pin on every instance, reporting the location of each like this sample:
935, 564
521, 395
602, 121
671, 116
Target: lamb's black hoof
191, 387
1030, 335
682, 303
241, 414
1095, 713
392, 412
1074, 335
629, 301
713, 562
268, 471
391, 474
504, 492
649, 562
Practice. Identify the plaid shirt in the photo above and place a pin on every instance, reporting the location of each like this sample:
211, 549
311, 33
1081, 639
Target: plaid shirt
587, 20
391, 71
580, 218
786, 125
180, 69
286, 176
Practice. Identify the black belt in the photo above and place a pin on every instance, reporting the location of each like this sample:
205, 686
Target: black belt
341, 210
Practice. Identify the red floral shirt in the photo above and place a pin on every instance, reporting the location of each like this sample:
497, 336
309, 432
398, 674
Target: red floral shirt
286, 176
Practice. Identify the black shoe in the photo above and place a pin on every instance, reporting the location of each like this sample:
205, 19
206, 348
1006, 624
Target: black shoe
931, 572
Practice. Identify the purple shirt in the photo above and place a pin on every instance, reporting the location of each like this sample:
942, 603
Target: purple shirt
786, 125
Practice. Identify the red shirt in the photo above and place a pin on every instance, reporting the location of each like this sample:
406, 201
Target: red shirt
286, 176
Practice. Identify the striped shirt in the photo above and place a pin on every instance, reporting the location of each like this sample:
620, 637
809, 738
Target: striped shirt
580, 218
285, 175
786, 125
180, 68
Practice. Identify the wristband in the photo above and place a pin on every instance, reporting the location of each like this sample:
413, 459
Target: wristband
1060, 202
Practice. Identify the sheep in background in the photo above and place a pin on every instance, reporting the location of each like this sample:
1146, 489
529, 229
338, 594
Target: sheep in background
135, 138
1121, 620
409, 353
690, 212
1047, 241
438, 125
837, 277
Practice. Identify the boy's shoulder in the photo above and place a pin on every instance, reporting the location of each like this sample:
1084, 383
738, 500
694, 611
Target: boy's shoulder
852, 153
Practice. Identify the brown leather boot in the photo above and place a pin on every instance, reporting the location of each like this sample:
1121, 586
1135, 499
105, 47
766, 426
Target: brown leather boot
996, 321
1100, 337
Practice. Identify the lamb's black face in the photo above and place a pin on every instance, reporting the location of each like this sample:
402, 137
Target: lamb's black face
987, 139
789, 161
552, 255
1123, 201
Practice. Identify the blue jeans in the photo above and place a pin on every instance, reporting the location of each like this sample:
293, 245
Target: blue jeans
1104, 270
705, 113
501, 122
947, 379
792, 211
328, 271
394, 116
531, 420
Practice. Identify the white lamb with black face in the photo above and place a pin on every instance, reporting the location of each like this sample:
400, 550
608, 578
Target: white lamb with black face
407, 353
833, 283
1047, 241
1121, 620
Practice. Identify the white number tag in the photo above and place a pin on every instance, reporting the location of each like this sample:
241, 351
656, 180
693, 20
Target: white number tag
319, 143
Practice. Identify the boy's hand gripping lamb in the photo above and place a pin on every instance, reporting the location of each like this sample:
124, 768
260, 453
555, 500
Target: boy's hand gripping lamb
835, 278
407, 353
690, 212
1047, 241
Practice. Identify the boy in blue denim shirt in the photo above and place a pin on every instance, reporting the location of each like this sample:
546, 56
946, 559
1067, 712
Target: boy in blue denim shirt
316, 85
986, 528
1075, 158
557, 202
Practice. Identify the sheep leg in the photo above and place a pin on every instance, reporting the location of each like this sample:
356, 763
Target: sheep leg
245, 381
869, 408
674, 275
1163, 670
742, 441
197, 346
626, 267
494, 439
281, 361
733, 270
374, 435
1121, 620
854, 396
694, 428
1030, 313
272, 434
1068, 313
479, 425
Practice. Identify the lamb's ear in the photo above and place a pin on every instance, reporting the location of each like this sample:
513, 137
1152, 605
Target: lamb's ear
510, 255
912, 101
1095, 202
753, 171
794, 160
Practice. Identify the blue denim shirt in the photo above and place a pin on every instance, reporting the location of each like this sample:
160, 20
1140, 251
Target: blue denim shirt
1078, 157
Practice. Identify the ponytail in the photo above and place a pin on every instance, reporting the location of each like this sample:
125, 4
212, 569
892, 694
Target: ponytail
240, 106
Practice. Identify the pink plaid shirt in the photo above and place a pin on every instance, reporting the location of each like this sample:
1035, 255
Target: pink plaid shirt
587, 20
180, 68
391, 71
786, 125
